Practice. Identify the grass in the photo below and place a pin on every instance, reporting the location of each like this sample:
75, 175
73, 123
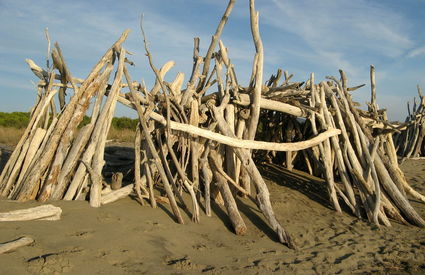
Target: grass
15, 119
121, 135
10, 135
12, 126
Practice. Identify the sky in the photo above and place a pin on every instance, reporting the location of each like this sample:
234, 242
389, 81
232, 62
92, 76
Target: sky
300, 36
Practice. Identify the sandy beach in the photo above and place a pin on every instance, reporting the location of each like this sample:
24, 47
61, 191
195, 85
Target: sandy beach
126, 238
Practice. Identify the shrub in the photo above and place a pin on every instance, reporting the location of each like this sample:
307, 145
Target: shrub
17, 120
13, 124
124, 123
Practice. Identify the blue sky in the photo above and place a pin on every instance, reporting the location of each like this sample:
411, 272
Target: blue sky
301, 36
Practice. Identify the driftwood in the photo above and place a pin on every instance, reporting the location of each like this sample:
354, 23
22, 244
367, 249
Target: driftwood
116, 181
117, 194
44, 212
229, 201
207, 137
409, 140
12, 245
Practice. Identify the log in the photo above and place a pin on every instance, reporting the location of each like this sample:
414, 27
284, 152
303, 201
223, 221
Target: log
272, 105
233, 141
35, 143
12, 245
353, 162
117, 194
230, 156
147, 169
399, 200
340, 159
78, 178
370, 157
55, 142
71, 161
194, 144
63, 134
162, 151
96, 180
263, 195
326, 154
29, 131
154, 152
229, 201
350, 117
46, 212
14, 173
117, 180
150, 185
109, 108
207, 175
78, 146
258, 69
241, 143
390, 180
288, 156
36, 157
240, 128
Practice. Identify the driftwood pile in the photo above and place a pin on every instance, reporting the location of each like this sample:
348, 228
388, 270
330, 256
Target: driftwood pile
201, 141
409, 140
363, 159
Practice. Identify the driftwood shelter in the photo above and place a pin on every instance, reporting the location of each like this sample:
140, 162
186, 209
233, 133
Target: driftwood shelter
202, 136
409, 140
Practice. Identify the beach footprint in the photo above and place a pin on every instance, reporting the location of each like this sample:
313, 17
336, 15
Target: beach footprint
82, 234
185, 263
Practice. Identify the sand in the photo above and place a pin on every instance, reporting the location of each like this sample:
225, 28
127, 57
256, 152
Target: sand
127, 238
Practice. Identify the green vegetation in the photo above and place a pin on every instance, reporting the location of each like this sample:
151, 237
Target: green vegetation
124, 123
20, 120
118, 123
12, 126
16, 120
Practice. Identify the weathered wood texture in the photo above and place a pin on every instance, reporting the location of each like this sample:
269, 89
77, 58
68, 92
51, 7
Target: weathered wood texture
43, 212
206, 138
12, 245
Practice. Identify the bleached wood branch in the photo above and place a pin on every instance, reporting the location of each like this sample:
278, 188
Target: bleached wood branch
117, 194
12, 245
44, 212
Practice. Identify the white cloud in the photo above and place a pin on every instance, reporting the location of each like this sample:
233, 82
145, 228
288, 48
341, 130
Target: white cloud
416, 52
85, 34
337, 31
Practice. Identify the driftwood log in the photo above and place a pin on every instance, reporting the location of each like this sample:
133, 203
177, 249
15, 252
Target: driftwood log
43, 212
12, 245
